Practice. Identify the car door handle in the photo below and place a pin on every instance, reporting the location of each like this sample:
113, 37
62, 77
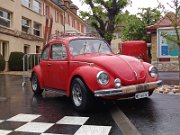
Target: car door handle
49, 64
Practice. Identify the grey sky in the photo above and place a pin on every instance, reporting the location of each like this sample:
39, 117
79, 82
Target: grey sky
133, 9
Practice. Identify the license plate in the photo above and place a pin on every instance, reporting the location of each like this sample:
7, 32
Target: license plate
141, 95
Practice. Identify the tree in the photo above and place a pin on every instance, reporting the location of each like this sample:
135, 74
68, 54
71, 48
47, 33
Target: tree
149, 16
174, 18
136, 24
104, 16
134, 29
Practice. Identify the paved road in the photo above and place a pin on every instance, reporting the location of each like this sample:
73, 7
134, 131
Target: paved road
21, 112
158, 115
49, 109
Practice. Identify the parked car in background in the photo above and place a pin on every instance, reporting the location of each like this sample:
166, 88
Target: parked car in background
83, 68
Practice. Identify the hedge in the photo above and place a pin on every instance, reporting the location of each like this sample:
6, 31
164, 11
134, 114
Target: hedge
2, 63
16, 61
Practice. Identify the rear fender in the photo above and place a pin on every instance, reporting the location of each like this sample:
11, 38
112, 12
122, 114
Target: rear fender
37, 70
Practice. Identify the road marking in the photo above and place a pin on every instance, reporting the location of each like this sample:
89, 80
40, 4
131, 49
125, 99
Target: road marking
125, 125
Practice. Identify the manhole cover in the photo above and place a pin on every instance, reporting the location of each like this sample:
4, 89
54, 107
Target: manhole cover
3, 99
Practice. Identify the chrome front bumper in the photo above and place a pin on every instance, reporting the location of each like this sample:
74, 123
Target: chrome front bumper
127, 89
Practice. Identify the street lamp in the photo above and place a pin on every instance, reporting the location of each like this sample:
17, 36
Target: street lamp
64, 9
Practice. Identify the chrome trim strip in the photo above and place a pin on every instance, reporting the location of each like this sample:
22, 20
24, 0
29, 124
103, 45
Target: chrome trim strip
127, 89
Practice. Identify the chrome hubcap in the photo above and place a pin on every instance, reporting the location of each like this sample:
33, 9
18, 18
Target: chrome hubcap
34, 83
77, 95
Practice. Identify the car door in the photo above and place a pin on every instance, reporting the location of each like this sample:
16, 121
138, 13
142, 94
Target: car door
58, 67
44, 64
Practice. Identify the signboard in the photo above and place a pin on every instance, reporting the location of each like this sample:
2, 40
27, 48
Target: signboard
164, 50
167, 47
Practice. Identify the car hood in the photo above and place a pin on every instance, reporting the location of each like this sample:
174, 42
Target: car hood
129, 69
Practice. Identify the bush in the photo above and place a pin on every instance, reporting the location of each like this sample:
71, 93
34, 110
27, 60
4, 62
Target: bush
16, 61
2, 63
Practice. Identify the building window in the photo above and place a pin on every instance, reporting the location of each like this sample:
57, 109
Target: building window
38, 49
82, 28
4, 49
36, 6
73, 23
68, 19
25, 25
62, 19
57, 16
5, 18
26, 3
78, 26
47, 10
26, 49
37, 29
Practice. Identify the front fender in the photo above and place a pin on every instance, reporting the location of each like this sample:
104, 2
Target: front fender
149, 78
37, 70
88, 75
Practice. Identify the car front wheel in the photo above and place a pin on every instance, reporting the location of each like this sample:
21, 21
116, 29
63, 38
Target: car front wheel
35, 85
81, 96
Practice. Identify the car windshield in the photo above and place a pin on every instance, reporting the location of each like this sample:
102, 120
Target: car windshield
84, 46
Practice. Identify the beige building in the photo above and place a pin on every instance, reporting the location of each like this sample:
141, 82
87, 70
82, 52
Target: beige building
22, 23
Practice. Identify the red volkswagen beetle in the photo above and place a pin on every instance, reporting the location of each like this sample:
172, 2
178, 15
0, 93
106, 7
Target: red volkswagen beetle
84, 67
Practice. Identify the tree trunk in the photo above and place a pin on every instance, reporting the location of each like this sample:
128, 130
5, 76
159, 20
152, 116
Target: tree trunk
109, 42
179, 64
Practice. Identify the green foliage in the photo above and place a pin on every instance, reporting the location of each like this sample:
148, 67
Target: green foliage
2, 63
149, 16
104, 16
135, 26
134, 30
16, 61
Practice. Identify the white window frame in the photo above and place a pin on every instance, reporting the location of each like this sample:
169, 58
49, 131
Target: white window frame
6, 19
27, 26
36, 8
26, 3
37, 29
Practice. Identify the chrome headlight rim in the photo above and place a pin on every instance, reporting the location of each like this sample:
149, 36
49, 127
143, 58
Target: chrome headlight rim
117, 83
152, 73
99, 79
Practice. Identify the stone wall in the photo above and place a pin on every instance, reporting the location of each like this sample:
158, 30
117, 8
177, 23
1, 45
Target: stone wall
166, 66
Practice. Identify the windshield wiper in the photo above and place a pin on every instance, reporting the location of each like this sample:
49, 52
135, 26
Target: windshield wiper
99, 47
84, 47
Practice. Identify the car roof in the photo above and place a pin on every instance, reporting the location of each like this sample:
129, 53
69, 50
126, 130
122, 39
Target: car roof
66, 38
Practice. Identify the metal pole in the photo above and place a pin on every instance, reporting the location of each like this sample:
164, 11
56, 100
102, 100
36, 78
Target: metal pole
64, 21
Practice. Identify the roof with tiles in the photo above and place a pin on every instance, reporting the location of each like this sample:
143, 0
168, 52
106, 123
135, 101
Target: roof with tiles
163, 22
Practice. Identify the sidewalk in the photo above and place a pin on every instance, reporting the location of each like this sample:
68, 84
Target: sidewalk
171, 78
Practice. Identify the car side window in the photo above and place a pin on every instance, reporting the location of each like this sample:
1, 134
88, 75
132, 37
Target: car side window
58, 52
44, 55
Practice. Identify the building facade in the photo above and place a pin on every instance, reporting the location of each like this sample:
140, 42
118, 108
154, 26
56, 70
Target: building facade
22, 23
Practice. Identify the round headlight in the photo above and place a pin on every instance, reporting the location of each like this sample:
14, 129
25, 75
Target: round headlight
102, 78
153, 71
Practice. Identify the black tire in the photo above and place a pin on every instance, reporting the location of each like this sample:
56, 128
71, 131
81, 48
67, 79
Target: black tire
150, 93
82, 98
35, 85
